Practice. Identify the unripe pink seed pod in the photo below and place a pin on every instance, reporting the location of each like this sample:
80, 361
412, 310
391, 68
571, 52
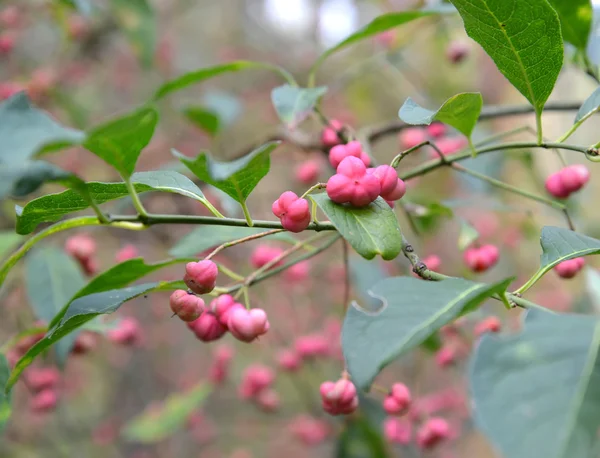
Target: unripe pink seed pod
201, 276
187, 307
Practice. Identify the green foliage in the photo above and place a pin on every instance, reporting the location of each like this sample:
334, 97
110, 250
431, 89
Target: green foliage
364, 274
294, 104
575, 21
371, 230
360, 440
412, 311
158, 423
523, 38
137, 19
538, 393
460, 111
590, 106
236, 178
5, 399
204, 119
52, 207
120, 141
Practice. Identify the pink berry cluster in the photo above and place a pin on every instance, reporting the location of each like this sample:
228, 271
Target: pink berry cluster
339, 398
567, 181
83, 248
437, 133
44, 384
481, 258
569, 268
329, 136
256, 386
293, 212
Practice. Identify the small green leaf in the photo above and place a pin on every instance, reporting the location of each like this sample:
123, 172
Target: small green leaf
204, 237
52, 207
460, 111
360, 440
203, 74
158, 423
5, 399
427, 216
370, 230
204, 119
376, 26
236, 178
467, 235
294, 104
119, 142
590, 106
522, 37
26, 131
8, 240
138, 20
547, 376
412, 311
575, 20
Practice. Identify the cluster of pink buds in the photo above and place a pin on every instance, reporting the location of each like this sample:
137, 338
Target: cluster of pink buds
293, 212
329, 136
437, 133
398, 401
43, 384
256, 385
569, 268
567, 181
481, 258
83, 248
128, 332
308, 430
339, 398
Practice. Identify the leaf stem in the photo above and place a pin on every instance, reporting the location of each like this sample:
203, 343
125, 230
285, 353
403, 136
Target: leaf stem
576, 126
313, 188
230, 273
211, 208
137, 203
101, 216
538, 124
249, 221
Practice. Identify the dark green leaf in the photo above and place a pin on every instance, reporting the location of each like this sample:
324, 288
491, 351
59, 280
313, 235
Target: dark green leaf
547, 376
370, 230
522, 37
412, 311
52, 207
364, 275
203, 74
8, 239
236, 178
161, 422
5, 401
204, 237
376, 26
294, 104
119, 142
460, 111
467, 235
575, 20
26, 131
360, 440
204, 119
137, 19
590, 106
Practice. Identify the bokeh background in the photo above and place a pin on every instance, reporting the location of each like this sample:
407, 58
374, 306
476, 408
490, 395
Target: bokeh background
85, 68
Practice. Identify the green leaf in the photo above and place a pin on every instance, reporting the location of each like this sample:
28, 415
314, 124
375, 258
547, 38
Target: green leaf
84, 7
158, 423
538, 393
52, 207
236, 178
370, 230
294, 104
522, 37
590, 106
5, 399
460, 111
364, 275
376, 26
203, 74
412, 311
427, 216
26, 131
592, 285
8, 240
119, 142
467, 235
204, 119
360, 440
137, 19
204, 237
575, 20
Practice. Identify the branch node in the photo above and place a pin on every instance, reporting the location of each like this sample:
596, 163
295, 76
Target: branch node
408, 248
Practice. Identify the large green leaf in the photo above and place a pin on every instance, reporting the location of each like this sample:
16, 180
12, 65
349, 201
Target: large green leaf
364, 275
575, 20
538, 393
137, 19
204, 237
293, 104
522, 37
26, 131
460, 111
412, 311
376, 26
52, 207
359, 439
5, 401
204, 119
236, 178
590, 106
161, 422
119, 142
370, 230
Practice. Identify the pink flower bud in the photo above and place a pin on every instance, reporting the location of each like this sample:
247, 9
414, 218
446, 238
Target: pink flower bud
432, 432
293, 212
488, 324
187, 307
44, 401
207, 327
247, 325
410, 137
308, 171
574, 177
397, 430
289, 360
398, 401
388, 177
201, 276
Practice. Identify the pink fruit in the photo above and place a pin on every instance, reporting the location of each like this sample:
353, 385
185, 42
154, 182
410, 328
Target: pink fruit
289, 360
555, 187
187, 307
7, 43
397, 193
268, 400
10, 88
44, 401
432, 432
312, 346
84, 343
339, 398
308, 171
574, 177
219, 368
293, 212
352, 149
397, 430
352, 184
457, 51
247, 325
433, 262
128, 332
81, 246
410, 137
445, 356
201, 276
264, 254
308, 430
126, 253
207, 327
38, 379
398, 401
488, 324
449, 145
569, 268
437, 129
298, 272
10, 16
329, 136
387, 176
480, 259
222, 306
255, 379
